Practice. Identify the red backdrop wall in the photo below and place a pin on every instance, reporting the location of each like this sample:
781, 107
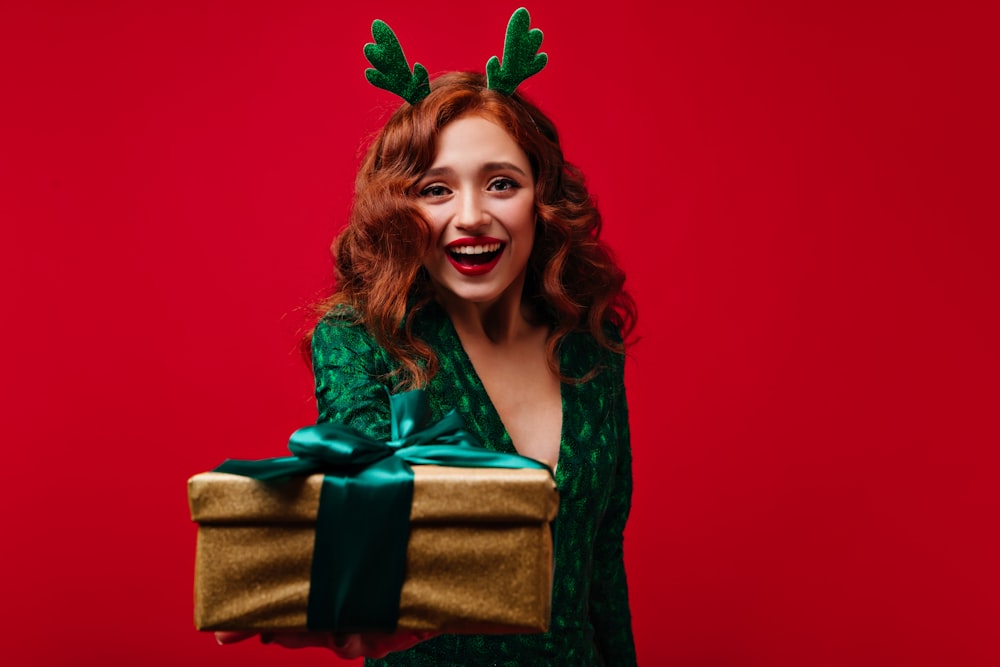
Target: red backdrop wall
803, 195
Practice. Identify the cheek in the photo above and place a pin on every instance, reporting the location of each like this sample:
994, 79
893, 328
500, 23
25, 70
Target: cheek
529, 221
432, 238
434, 226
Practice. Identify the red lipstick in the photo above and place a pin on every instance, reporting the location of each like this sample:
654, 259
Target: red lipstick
475, 255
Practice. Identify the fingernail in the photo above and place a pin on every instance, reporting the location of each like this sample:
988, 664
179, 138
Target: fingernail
218, 641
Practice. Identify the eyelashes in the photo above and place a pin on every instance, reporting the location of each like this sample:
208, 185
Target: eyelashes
503, 184
500, 184
434, 191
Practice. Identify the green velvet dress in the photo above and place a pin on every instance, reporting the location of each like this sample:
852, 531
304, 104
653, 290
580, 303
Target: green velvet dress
591, 622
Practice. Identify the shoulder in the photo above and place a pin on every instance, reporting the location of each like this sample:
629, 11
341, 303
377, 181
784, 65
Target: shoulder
336, 322
344, 324
339, 332
583, 353
340, 322
616, 360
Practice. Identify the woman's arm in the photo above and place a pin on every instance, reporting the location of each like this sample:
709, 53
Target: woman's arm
350, 388
350, 371
347, 646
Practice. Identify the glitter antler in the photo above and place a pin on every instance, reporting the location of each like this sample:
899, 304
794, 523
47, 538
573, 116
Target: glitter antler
391, 71
520, 55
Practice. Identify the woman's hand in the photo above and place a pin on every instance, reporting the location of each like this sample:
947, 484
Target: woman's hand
348, 646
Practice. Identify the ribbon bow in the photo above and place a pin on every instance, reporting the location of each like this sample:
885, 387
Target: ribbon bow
363, 519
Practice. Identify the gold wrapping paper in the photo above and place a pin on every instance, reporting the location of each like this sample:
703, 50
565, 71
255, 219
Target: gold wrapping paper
479, 558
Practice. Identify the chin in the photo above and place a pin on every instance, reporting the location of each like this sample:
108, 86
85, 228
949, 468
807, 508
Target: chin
478, 294
474, 295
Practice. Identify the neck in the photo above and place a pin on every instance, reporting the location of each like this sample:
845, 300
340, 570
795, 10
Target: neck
503, 320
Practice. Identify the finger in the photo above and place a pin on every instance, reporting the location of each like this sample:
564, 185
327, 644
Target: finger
348, 646
381, 645
232, 637
375, 647
299, 639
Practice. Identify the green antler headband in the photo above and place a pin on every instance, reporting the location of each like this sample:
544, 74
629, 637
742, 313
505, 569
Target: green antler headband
520, 55
391, 71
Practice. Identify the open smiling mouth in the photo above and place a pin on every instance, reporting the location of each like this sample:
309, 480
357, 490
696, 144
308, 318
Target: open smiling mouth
475, 255
473, 259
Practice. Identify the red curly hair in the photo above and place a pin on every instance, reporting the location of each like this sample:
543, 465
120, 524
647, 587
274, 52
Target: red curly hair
572, 277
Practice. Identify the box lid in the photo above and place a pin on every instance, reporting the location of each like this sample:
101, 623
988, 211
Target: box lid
440, 494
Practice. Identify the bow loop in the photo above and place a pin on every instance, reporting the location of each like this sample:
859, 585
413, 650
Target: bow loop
410, 412
332, 447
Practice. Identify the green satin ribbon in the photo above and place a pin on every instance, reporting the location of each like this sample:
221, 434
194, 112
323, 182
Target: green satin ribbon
363, 520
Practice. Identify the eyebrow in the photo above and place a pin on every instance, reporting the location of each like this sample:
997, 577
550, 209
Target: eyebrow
500, 166
487, 167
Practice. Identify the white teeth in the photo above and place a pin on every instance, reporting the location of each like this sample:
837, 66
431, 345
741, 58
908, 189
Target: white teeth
474, 249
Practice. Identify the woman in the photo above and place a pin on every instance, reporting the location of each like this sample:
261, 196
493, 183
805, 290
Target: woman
471, 267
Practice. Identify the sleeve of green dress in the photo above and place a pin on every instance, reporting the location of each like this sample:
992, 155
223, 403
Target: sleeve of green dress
609, 605
350, 372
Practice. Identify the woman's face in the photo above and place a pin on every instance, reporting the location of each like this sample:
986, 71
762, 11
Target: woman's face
479, 198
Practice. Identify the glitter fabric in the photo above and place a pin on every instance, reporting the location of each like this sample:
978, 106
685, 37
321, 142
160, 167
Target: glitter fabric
591, 623
255, 542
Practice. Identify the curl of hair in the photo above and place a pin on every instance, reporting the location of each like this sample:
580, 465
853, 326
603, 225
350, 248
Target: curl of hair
573, 280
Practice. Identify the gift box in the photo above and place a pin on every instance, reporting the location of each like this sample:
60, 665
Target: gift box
478, 560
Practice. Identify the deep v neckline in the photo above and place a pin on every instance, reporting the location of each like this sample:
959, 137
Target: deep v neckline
494, 414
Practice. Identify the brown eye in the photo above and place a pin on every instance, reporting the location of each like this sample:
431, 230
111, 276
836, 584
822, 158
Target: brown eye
503, 185
434, 191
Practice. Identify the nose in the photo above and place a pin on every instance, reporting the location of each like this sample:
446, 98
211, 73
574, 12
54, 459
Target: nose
470, 214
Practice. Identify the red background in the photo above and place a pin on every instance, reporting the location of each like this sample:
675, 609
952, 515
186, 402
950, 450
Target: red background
803, 195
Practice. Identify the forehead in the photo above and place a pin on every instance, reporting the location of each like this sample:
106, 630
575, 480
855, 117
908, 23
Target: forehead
471, 139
